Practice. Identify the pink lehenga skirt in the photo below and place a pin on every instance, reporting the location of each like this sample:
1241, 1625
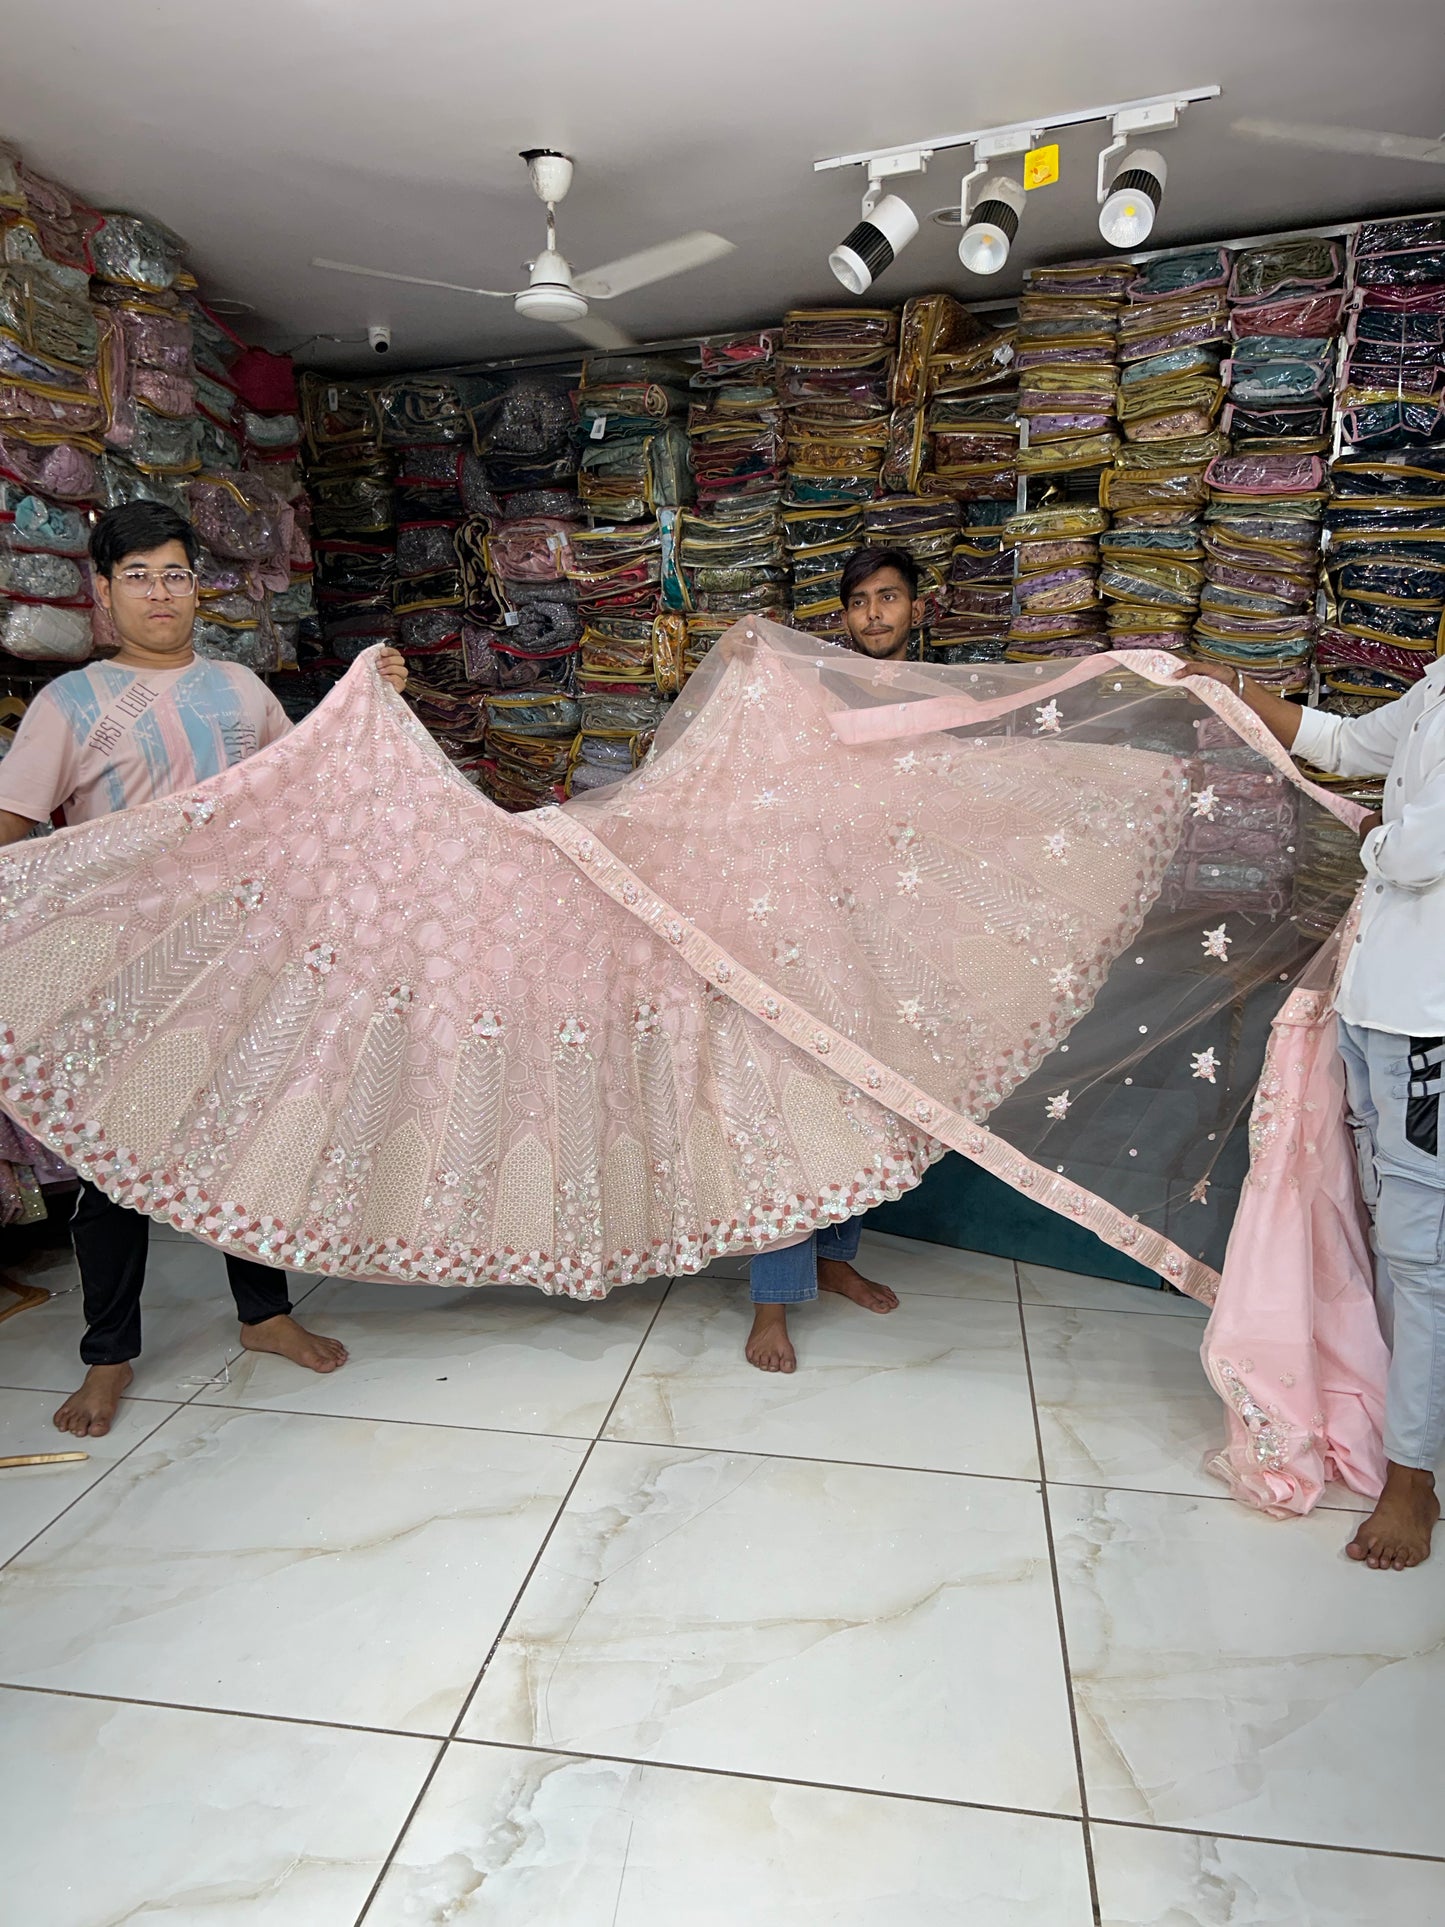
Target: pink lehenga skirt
335, 1010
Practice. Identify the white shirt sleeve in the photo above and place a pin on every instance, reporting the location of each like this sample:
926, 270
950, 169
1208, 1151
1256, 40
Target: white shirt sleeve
1354, 745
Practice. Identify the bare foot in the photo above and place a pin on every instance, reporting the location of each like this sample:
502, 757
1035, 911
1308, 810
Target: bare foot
1397, 1533
834, 1275
87, 1414
287, 1339
769, 1346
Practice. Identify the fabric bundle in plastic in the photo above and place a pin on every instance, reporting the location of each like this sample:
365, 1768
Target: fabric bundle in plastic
974, 625
1068, 383
1056, 593
1386, 568
836, 368
1262, 556
1394, 390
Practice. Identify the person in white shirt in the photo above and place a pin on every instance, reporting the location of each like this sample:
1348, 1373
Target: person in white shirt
1391, 1008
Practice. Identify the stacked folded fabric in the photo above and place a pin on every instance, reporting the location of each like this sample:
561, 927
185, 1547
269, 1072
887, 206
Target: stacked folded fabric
1068, 382
971, 422
1394, 377
353, 517
531, 738
1172, 336
50, 396
975, 625
836, 376
1262, 548
936, 334
730, 548
1239, 854
735, 419
1286, 304
1386, 558
1056, 592
634, 449
819, 537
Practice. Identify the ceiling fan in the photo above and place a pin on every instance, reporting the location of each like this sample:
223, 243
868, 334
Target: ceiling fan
1346, 140
553, 292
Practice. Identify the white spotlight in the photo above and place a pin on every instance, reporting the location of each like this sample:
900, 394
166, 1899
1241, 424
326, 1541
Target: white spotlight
1126, 219
992, 225
875, 244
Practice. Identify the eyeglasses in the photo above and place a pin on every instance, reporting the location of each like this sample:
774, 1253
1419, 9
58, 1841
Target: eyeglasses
179, 583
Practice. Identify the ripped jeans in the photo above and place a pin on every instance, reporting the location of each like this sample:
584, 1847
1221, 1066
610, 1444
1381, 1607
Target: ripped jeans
1394, 1087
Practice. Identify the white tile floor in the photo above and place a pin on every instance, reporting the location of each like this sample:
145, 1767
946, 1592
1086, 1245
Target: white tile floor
546, 1616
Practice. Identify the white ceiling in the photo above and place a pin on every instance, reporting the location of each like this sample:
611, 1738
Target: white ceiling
387, 132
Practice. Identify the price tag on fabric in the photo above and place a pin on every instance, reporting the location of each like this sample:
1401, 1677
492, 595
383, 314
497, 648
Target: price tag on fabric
599, 427
1041, 166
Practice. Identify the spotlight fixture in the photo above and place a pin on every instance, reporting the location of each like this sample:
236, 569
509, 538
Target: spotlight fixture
887, 226
875, 244
989, 230
1126, 219
1131, 186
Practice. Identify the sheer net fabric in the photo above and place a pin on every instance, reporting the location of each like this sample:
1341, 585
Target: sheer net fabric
335, 1010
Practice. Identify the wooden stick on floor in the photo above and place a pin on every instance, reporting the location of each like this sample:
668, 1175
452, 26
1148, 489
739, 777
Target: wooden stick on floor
44, 1458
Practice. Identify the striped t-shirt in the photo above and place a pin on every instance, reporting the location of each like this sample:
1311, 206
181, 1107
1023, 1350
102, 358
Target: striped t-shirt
75, 754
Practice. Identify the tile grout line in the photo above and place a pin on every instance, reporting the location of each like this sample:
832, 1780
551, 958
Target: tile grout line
728, 1773
1059, 1613
470, 1695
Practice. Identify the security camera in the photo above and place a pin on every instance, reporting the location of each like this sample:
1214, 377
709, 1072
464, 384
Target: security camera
379, 340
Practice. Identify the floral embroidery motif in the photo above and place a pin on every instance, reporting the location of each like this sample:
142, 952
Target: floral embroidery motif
723, 974
761, 908
673, 931
911, 1011
629, 893
1203, 801
1205, 1064
906, 763
1216, 944
645, 1019
249, 894
754, 693
573, 1033
1058, 1107
771, 1009
1062, 982
488, 1025
1048, 719
822, 1043
398, 997
767, 799
198, 811
1057, 845
320, 959
908, 881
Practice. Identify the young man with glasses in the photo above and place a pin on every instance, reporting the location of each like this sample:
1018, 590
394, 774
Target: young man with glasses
153, 719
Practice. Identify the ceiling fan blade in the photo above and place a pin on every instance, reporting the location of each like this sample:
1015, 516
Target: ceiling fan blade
652, 264
1346, 140
597, 333
410, 280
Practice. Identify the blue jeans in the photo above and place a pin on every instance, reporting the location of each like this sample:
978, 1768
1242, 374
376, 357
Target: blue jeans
790, 1277
1394, 1087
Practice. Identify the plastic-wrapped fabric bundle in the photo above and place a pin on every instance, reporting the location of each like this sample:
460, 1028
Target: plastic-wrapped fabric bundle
135, 252
1065, 352
1057, 607
837, 370
421, 408
40, 315
340, 419
1285, 267
531, 549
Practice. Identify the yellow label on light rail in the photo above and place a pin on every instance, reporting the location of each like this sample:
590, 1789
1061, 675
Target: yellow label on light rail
1041, 166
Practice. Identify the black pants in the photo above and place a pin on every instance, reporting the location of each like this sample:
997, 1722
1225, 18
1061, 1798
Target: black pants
110, 1248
